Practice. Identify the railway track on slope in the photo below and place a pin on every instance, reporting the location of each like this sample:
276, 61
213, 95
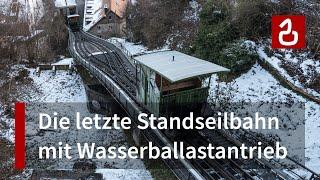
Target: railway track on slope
180, 167
235, 169
111, 62
256, 168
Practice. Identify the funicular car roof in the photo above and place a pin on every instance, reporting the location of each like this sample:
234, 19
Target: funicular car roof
176, 66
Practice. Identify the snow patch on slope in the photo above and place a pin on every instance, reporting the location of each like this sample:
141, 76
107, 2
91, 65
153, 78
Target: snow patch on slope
68, 88
306, 66
120, 174
134, 49
258, 85
193, 11
6, 126
61, 87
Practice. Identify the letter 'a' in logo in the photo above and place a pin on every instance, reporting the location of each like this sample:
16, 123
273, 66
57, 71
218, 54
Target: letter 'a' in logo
289, 32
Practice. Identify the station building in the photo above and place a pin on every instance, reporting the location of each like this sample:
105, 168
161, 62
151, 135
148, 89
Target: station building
170, 79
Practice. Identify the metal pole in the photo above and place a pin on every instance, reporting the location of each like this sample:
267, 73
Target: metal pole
161, 85
136, 75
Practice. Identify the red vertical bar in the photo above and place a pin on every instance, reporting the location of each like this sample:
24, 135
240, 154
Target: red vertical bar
20, 146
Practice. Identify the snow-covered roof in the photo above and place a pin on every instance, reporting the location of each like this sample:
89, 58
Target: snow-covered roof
73, 15
176, 66
66, 61
65, 3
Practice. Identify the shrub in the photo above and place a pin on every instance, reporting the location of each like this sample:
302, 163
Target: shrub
253, 18
239, 56
224, 25
152, 21
215, 30
211, 40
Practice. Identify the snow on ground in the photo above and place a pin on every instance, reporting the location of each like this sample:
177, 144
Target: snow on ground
6, 123
124, 174
192, 13
305, 66
8, 134
6, 126
68, 88
312, 136
258, 85
61, 87
308, 64
15, 69
135, 49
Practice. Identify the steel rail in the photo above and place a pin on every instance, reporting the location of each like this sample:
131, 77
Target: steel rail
116, 75
116, 63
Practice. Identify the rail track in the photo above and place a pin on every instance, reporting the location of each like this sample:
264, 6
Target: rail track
114, 64
236, 138
105, 74
110, 62
240, 168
